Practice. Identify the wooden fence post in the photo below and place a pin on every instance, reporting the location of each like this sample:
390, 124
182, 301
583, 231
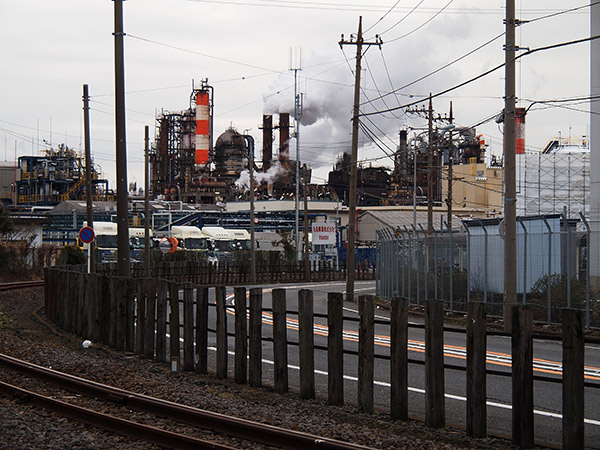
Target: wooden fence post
573, 379
522, 375
202, 329
335, 348
122, 313
399, 359
221, 333
241, 336
188, 326
174, 347
130, 315
476, 371
71, 305
112, 312
435, 414
161, 321
280, 358
95, 308
306, 337
150, 319
140, 334
78, 324
89, 304
61, 298
105, 309
366, 352
255, 341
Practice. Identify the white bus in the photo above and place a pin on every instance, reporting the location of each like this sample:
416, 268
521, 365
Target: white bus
190, 238
240, 240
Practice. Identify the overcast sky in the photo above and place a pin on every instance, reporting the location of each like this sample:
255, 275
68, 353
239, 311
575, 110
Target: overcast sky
51, 48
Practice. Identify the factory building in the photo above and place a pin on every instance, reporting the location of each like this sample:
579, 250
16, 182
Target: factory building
56, 176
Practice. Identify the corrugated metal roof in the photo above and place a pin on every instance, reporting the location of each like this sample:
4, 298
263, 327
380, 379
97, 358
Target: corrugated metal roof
403, 218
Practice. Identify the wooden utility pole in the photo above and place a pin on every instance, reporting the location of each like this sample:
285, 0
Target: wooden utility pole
88, 172
350, 269
430, 164
510, 200
121, 147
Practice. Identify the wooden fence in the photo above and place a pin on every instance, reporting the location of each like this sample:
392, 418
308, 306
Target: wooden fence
168, 322
237, 273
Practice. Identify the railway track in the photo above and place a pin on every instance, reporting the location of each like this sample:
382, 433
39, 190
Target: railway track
21, 285
180, 414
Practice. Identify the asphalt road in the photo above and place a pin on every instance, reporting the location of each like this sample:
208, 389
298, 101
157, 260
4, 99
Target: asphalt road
547, 362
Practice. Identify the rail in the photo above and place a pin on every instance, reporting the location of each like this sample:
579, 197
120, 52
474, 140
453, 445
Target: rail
231, 426
21, 285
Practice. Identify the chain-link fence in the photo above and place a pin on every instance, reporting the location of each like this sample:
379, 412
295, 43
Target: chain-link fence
467, 264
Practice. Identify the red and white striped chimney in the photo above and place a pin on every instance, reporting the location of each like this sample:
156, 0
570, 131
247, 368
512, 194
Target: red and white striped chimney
202, 128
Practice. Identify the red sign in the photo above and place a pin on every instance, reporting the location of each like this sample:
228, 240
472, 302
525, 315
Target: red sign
87, 235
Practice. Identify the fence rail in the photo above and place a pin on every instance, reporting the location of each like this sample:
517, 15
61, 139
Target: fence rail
168, 322
235, 273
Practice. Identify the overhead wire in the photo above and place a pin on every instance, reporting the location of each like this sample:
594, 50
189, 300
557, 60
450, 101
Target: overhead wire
482, 75
422, 25
384, 16
406, 16
445, 66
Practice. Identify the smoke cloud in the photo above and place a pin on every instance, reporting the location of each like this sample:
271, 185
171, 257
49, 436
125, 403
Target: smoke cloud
270, 176
328, 91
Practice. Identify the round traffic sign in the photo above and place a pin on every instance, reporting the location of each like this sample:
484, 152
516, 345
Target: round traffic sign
168, 245
87, 235
164, 245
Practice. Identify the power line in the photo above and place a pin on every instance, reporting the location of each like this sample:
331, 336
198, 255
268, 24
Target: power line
445, 65
406, 16
422, 25
484, 74
383, 17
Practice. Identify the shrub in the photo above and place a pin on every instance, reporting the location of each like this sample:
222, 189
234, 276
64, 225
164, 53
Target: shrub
70, 255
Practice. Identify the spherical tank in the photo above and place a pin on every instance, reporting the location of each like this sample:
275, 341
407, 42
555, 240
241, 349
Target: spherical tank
231, 154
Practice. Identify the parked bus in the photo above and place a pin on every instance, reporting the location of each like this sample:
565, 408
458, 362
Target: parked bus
240, 240
106, 241
190, 238
220, 242
137, 243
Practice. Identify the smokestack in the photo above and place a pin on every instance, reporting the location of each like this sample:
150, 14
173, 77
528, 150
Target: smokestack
284, 136
401, 159
267, 141
520, 131
202, 128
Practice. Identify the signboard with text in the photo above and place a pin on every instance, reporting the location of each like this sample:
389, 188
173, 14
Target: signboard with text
323, 234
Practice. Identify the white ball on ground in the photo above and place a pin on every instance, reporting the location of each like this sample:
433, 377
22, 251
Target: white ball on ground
86, 344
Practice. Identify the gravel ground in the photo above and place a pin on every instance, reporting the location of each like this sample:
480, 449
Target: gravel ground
22, 426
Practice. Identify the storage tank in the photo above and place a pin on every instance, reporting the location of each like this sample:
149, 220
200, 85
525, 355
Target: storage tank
231, 154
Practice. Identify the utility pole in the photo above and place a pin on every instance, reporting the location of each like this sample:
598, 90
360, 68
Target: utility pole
297, 117
510, 200
306, 243
146, 202
430, 164
450, 169
121, 147
353, 158
88, 172
250, 140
